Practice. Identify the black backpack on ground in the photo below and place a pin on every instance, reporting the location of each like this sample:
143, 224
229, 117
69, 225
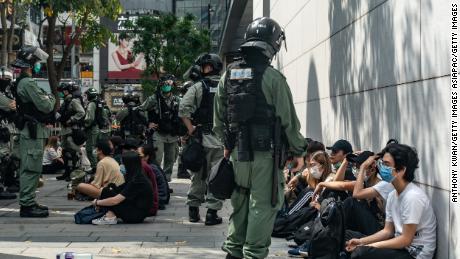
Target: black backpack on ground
286, 225
328, 236
304, 233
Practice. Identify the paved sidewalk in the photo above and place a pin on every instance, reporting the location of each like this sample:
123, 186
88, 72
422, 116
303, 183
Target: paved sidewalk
168, 235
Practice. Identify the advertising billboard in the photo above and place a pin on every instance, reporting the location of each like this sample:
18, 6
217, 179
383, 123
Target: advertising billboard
123, 63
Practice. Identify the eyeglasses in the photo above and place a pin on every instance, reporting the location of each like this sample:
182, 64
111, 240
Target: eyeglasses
381, 164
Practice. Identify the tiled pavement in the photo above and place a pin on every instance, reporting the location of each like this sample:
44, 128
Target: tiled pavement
168, 235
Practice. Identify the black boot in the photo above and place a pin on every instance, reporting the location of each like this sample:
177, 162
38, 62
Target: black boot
229, 256
212, 218
33, 212
41, 206
193, 214
65, 176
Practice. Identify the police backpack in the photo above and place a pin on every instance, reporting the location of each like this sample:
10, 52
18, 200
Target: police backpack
222, 179
193, 156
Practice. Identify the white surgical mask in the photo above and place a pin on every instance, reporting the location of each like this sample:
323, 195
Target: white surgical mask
315, 172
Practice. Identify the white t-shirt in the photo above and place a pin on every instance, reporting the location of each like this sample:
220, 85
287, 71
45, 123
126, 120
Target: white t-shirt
49, 156
384, 189
412, 206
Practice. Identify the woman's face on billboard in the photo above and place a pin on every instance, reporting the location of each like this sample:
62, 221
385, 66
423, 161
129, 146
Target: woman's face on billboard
124, 43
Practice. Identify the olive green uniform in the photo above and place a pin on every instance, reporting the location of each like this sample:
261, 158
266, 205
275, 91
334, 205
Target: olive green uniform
251, 223
166, 144
31, 150
5, 147
78, 112
92, 132
12, 147
213, 151
106, 131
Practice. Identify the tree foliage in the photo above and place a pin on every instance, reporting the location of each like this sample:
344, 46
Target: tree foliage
89, 32
169, 44
16, 12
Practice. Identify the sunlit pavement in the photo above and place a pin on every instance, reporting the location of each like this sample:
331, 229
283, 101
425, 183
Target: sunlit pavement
168, 235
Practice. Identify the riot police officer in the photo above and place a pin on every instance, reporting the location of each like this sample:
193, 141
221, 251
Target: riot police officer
7, 109
254, 115
71, 116
132, 120
196, 109
162, 108
35, 110
106, 127
91, 126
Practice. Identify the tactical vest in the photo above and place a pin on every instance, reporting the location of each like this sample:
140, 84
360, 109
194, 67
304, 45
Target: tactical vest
167, 119
65, 111
248, 116
28, 111
204, 115
134, 123
101, 122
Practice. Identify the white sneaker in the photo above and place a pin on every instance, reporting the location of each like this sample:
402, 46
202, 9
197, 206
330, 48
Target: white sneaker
105, 221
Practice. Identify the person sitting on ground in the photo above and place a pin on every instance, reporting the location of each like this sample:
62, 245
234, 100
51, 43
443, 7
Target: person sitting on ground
410, 227
52, 161
132, 144
130, 202
117, 143
365, 211
107, 171
147, 152
339, 151
299, 182
320, 171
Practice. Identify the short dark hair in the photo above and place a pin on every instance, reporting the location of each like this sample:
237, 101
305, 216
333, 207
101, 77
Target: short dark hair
104, 147
404, 156
314, 146
149, 150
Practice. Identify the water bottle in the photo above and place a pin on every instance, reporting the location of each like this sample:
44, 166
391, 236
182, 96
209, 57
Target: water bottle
70, 192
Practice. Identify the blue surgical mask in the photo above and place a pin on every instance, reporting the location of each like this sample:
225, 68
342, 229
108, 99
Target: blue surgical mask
37, 67
123, 169
385, 172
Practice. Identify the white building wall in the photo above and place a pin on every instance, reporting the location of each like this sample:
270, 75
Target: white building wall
370, 70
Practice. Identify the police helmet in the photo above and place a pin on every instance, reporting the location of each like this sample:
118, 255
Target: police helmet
127, 98
6, 73
70, 86
136, 98
27, 56
91, 94
211, 59
264, 34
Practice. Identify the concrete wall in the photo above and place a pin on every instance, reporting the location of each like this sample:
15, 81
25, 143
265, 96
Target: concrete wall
370, 70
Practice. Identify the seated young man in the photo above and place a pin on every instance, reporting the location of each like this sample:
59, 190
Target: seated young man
107, 172
339, 152
410, 227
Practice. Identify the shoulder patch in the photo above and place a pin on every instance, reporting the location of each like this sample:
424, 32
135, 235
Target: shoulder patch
241, 74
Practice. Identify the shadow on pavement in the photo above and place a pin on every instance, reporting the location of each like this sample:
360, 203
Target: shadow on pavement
9, 256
